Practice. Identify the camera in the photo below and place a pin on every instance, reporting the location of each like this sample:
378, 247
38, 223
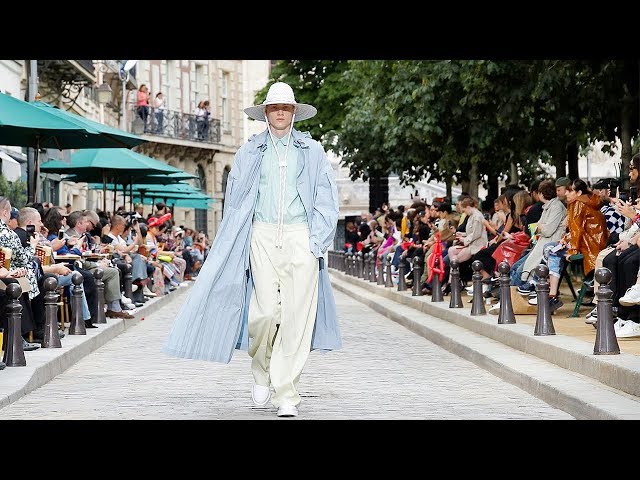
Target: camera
61, 234
31, 230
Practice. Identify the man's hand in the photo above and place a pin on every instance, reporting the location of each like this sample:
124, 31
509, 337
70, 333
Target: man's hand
62, 269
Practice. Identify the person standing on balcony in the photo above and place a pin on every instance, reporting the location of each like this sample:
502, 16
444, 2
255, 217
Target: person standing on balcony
142, 104
202, 119
264, 286
159, 107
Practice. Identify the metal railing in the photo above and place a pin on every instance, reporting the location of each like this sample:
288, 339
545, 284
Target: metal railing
174, 124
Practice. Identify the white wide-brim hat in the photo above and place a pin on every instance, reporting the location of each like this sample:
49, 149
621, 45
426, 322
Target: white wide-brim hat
281, 92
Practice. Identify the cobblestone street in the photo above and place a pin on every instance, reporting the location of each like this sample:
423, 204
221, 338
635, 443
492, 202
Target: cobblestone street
383, 372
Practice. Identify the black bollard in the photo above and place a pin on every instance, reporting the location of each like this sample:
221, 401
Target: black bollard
128, 281
98, 273
354, 264
359, 264
606, 340
379, 269
51, 338
544, 323
402, 284
77, 323
436, 287
456, 286
371, 258
388, 281
477, 302
506, 314
13, 350
417, 273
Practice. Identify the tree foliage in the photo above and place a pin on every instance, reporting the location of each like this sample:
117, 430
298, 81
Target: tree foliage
445, 119
16, 191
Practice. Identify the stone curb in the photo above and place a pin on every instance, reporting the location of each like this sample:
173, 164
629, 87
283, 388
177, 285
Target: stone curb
621, 372
45, 364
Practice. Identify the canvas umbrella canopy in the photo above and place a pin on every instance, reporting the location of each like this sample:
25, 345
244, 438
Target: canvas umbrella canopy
179, 202
24, 125
118, 164
109, 137
178, 191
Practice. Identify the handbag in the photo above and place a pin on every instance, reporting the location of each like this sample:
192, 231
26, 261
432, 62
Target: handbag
511, 250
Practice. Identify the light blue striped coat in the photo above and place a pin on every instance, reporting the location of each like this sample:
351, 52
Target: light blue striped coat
213, 320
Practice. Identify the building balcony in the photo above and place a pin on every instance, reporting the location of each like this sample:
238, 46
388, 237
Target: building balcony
173, 124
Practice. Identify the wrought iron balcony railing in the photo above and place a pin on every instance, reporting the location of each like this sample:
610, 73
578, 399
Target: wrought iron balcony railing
173, 124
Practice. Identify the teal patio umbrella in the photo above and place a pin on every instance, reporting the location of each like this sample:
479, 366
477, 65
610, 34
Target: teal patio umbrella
24, 125
109, 137
117, 164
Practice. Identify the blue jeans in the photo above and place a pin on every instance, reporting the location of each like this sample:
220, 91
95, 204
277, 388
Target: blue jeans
554, 259
516, 271
65, 281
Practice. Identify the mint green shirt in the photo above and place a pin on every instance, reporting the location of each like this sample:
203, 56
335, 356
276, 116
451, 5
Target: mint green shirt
269, 188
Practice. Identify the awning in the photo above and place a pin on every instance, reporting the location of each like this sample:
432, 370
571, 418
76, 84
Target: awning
10, 168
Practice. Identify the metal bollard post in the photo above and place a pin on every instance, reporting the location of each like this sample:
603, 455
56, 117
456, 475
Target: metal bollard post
477, 302
98, 273
359, 264
354, 264
606, 340
13, 350
544, 323
379, 269
343, 262
456, 300
506, 314
128, 282
371, 259
402, 284
388, 281
51, 338
77, 326
436, 287
417, 273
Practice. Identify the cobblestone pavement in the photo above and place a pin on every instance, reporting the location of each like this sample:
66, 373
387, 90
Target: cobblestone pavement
383, 372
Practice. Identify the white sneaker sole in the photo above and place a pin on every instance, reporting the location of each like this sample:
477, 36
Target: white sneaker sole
253, 396
288, 411
627, 303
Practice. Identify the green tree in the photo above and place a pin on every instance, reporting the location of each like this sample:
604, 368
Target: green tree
16, 191
319, 83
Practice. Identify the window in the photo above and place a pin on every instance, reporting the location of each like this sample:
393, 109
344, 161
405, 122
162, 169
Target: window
226, 115
200, 91
169, 80
201, 213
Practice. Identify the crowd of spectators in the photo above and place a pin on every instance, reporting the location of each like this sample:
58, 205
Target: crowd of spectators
557, 222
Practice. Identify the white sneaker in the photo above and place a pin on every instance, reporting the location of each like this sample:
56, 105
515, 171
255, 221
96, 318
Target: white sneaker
148, 293
126, 300
632, 297
495, 309
287, 411
260, 395
134, 287
533, 300
618, 324
630, 329
593, 313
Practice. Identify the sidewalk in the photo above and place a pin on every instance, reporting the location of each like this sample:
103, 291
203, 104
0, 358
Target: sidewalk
46, 363
560, 369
